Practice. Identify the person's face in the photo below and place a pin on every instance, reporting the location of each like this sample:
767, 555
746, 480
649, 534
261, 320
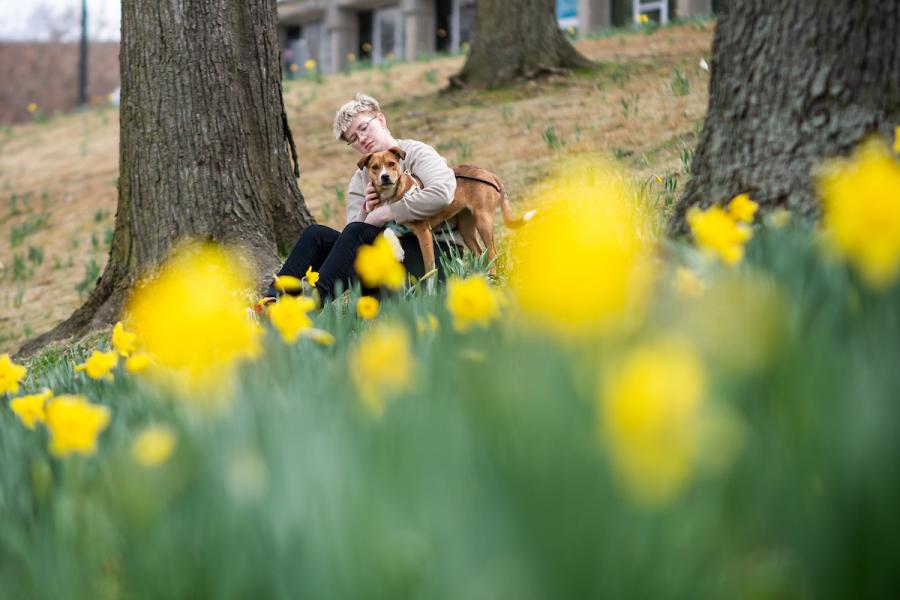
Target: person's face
368, 133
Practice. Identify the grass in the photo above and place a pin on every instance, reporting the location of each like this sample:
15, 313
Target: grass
495, 464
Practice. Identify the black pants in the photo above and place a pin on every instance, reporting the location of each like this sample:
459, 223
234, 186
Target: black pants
332, 253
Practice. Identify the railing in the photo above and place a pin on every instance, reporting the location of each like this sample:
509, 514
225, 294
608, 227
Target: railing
642, 8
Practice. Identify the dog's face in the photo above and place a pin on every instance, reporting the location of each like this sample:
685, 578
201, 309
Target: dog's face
383, 168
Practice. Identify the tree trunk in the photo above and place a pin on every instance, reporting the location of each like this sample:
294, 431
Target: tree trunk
204, 149
793, 82
513, 40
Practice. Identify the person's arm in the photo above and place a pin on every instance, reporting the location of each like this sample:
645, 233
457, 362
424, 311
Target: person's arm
438, 185
356, 198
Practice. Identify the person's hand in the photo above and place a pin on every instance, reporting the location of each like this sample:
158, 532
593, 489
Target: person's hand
380, 216
372, 199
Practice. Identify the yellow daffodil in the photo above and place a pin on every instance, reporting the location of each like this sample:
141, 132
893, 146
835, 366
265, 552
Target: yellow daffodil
137, 363
378, 266
472, 301
288, 283
310, 64
589, 220
312, 277
191, 318
861, 216
290, 316
743, 305
32, 108
643, 19
10, 375
153, 446
99, 365
688, 283
123, 341
319, 336
367, 307
649, 411
426, 324
75, 424
30, 408
779, 218
717, 233
743, 208
381, 365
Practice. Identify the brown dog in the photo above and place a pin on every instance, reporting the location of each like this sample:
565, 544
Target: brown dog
478, 192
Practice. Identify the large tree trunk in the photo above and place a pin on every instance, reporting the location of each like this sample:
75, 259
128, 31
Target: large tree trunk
204, 150
513, 40
793, 81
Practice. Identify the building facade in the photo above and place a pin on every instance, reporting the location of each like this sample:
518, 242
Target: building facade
334, 33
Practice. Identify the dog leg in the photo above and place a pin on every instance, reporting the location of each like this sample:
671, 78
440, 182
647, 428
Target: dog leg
422, 232
465, 224
485, 225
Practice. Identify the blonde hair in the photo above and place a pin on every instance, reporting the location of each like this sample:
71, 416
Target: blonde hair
345, 114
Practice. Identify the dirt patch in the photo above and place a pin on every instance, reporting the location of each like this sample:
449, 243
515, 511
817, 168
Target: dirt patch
642, 106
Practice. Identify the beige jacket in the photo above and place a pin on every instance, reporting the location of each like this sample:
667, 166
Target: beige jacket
438, 187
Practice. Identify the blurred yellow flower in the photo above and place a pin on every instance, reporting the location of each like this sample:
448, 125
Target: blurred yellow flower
381, 364
719, 234
351, 57
649, 411
739, 321
426, 324
743, 208
310, 64
290, 316
287, 283
30, 408
123, 341
137, 363
367, 307
779, 218
75, 424
191, 318
32, 108
10, 375
378, 266
861, 217
319, 336
643, 19
584, 265
472, 301
312, 277
688, 283
153, 446
99, 365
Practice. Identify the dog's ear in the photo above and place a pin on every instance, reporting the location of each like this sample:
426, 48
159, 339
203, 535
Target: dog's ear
364, 161
397, 151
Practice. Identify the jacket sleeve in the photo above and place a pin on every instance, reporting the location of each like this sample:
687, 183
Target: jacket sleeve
438, 185
356, 198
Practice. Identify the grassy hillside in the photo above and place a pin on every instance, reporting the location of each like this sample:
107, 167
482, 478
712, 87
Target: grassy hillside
643, 106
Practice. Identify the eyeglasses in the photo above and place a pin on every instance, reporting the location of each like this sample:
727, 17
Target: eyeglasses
361, 130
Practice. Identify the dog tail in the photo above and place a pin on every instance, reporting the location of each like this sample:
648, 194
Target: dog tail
508, 219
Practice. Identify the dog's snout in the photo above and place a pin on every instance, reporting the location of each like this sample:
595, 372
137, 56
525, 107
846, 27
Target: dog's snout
385, 178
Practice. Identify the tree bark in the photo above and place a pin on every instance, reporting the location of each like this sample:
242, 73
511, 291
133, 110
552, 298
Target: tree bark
793, 82
513, 40
204, 150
